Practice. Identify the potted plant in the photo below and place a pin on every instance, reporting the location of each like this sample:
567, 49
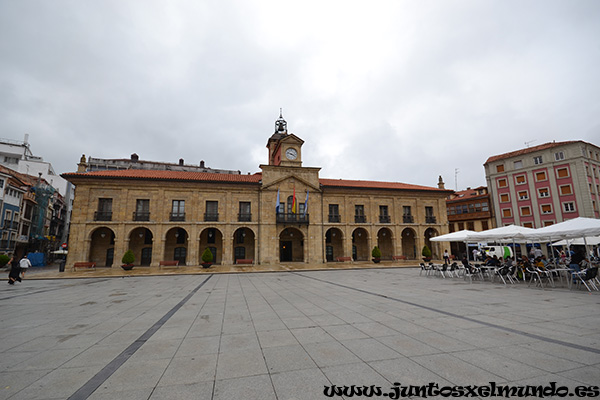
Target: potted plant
4, 259
376, 253
128, 260
207, 258
426, 253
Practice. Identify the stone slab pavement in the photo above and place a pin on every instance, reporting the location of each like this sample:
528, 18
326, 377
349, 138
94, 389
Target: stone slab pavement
287, 335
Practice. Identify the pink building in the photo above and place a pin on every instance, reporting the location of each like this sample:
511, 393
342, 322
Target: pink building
542, 185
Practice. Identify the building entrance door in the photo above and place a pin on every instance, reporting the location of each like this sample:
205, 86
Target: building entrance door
110, 257
285, 251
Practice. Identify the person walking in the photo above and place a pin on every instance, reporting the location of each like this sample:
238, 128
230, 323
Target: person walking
24, 264
446, 257
15, 271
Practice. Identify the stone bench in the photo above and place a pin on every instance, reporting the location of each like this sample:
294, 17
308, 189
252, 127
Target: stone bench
168, 264
84, 265
398, 258
244, 261
343, 259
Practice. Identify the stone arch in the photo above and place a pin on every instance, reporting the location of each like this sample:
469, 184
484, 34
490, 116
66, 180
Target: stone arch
334, 244
176, 245
409, 243
244, 240
102, 246
291, 245
433, 246
385, 242
141, 242
211, 238
360, 245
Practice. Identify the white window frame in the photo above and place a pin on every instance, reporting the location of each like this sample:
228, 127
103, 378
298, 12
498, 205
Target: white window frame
510, 210
518, 164
560, 169
572, 204
542, 212
521, 183
567, 194
500, 180
559, 156
539, 172
538, 160
540, 193
500, 198
525, 215
526, 197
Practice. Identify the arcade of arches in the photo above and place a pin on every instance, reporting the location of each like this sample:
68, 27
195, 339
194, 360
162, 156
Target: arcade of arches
176, 244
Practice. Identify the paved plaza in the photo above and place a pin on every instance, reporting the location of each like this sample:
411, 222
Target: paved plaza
287, 335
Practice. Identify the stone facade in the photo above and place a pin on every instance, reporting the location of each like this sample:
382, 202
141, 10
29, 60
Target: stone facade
168, 215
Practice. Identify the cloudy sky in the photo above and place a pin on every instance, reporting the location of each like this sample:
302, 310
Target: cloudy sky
378, 90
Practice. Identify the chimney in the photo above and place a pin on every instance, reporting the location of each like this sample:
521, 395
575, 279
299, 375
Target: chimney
202, 164
134, 157
26, 140
181, 162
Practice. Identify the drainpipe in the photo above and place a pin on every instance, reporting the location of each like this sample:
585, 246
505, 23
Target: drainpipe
258, 259
324, 248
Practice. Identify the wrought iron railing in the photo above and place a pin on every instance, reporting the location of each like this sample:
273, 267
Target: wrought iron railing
292, 218
103, 216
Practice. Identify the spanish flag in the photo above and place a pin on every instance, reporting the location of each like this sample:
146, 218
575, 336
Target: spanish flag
294, 203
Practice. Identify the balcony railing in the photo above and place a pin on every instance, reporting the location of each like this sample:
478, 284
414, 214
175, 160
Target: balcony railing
360, 219
335, 218
179, 216
291, 218
430, 219
103, 216
385, 219
244, 217
211, 216
141, 216
408, 219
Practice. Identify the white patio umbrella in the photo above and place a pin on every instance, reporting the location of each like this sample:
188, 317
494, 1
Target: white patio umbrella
590, 240
459, 236
507, 234
575, 228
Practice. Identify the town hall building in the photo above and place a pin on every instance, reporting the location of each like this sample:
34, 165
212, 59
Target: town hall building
284, 213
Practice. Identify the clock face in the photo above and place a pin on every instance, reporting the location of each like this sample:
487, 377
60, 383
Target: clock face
291, 154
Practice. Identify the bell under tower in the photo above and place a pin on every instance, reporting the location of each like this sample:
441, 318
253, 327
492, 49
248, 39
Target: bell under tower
284, 148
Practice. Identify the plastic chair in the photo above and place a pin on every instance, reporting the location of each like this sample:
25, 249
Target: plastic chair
588, 277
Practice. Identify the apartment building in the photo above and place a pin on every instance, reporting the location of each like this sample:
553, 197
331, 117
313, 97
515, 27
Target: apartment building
545, 184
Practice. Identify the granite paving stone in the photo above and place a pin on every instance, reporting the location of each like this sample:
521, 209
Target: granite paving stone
286, 333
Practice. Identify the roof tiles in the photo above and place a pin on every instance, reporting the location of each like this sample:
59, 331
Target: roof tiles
141, 174
528, 150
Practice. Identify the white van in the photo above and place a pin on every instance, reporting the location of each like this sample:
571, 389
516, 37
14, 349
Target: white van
499, 251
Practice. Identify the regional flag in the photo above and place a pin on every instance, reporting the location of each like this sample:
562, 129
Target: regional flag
306, 203
278, 204
294, 205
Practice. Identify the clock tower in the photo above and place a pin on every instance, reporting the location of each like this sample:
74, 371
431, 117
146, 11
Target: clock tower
285, 149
